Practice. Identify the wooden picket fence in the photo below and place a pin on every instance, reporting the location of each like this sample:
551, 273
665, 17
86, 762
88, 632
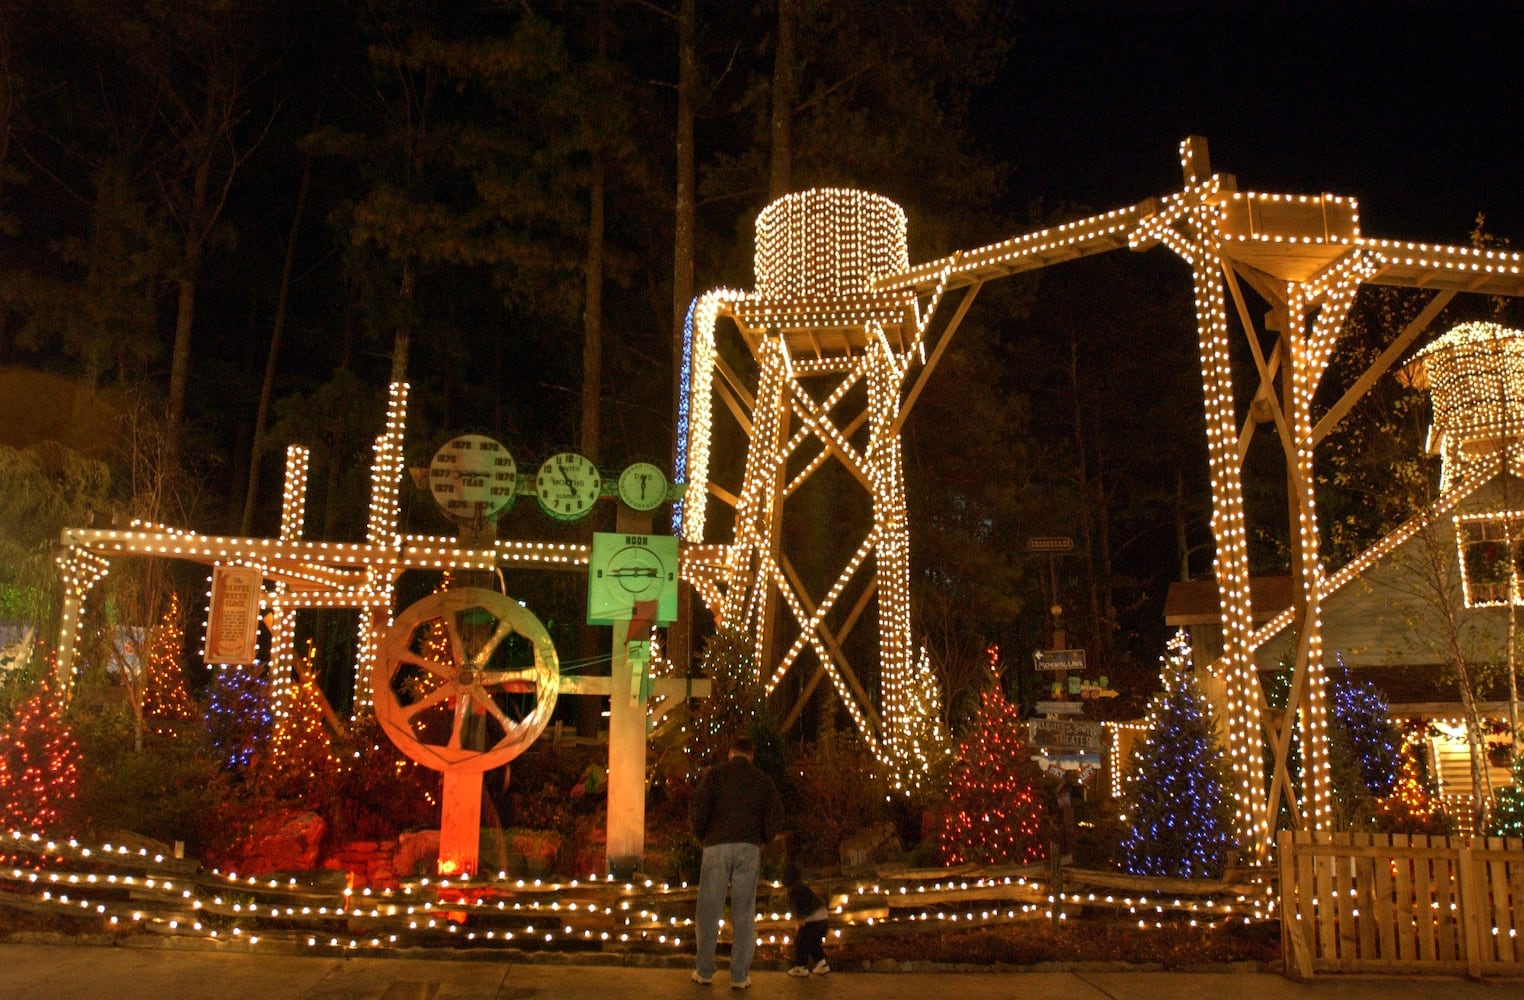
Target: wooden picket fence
1355, 902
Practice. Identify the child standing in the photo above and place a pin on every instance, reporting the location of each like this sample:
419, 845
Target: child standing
809, 936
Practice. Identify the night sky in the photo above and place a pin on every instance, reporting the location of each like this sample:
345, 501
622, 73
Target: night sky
1414, 110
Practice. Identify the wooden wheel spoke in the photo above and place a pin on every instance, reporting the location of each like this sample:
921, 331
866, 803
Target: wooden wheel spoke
503, 631
457, 647
457, 731
487, 702
432, 666
492, 677
429, 700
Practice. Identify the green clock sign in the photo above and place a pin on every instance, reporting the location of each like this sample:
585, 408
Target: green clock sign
567, 486
624, 570
642, 486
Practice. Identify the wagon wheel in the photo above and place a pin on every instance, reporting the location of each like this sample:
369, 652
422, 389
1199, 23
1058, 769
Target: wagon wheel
455, 690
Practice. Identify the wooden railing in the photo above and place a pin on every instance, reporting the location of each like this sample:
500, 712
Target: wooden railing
1393, 903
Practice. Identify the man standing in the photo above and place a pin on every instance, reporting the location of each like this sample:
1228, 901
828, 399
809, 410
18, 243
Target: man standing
734, 811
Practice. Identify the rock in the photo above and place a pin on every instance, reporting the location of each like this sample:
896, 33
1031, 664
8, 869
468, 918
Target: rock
532, 852
417, 853
872, 844
287, 842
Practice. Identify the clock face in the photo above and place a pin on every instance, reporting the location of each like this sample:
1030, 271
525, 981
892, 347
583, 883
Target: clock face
642, 486
472, 476
567, 485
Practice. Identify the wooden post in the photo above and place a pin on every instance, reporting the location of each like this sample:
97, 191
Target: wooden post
626, 843
1469, 910
1296, 957
460, 823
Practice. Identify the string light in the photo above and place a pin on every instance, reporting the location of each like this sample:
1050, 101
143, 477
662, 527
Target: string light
142, 890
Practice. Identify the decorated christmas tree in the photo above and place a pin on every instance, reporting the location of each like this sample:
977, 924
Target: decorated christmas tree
1178, 808
39, 766
237, 716
1508, 805
736, 706
300, 752
995, 812
1363, 751
1412, 806
165, 695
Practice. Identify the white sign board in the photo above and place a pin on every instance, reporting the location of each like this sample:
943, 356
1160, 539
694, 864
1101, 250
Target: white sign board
1066, 734
232, 622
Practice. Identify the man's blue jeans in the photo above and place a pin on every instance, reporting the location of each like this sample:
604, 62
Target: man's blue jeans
732, 866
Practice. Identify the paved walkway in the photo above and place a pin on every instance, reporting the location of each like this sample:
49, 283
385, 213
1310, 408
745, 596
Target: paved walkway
88, 972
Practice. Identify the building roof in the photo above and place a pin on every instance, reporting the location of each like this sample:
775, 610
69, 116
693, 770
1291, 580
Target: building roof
1195, 602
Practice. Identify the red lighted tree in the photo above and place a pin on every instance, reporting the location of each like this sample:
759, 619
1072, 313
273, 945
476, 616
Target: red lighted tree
995, 812
39, 766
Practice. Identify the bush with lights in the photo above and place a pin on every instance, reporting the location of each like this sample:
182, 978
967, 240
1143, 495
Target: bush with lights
39, 766
1178, 811
995, 812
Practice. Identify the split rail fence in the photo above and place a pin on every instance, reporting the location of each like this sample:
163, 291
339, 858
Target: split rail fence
1355, 902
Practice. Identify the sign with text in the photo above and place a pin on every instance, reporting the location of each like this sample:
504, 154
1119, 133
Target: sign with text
232, 621
623, 569
1051, 543
1066, 734
1060, 659
1061, 707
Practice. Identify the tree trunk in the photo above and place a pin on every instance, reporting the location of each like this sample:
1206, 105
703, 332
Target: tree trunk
593, 640
682, 247
261, 414
680, 635
402, 342
780, 180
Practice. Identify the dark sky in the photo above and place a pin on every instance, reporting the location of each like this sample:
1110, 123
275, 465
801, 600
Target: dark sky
1418, 111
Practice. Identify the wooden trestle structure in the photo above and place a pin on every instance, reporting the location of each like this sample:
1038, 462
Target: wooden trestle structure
1304, 255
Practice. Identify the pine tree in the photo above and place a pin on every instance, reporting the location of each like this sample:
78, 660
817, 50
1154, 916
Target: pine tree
165, 695
237, 716
301, 753
1508, 808
1363, 749
1177, 800
1412, 806
995, 813
39, 766
736, 706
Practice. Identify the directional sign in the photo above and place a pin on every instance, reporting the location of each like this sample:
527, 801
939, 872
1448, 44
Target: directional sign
1050, 543
1060, 707
1060, 659
1066, 734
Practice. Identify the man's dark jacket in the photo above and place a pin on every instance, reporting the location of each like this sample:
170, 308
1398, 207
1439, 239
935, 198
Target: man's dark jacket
735, 803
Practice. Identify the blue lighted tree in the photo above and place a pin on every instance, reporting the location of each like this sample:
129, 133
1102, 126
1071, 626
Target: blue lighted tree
1364, 750
1177, 804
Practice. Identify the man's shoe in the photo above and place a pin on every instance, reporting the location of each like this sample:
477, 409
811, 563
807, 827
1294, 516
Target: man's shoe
821, 969
744, 984
701, 980
799, 972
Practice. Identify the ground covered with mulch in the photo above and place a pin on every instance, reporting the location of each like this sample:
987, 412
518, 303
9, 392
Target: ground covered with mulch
1026, 943
1075, 941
